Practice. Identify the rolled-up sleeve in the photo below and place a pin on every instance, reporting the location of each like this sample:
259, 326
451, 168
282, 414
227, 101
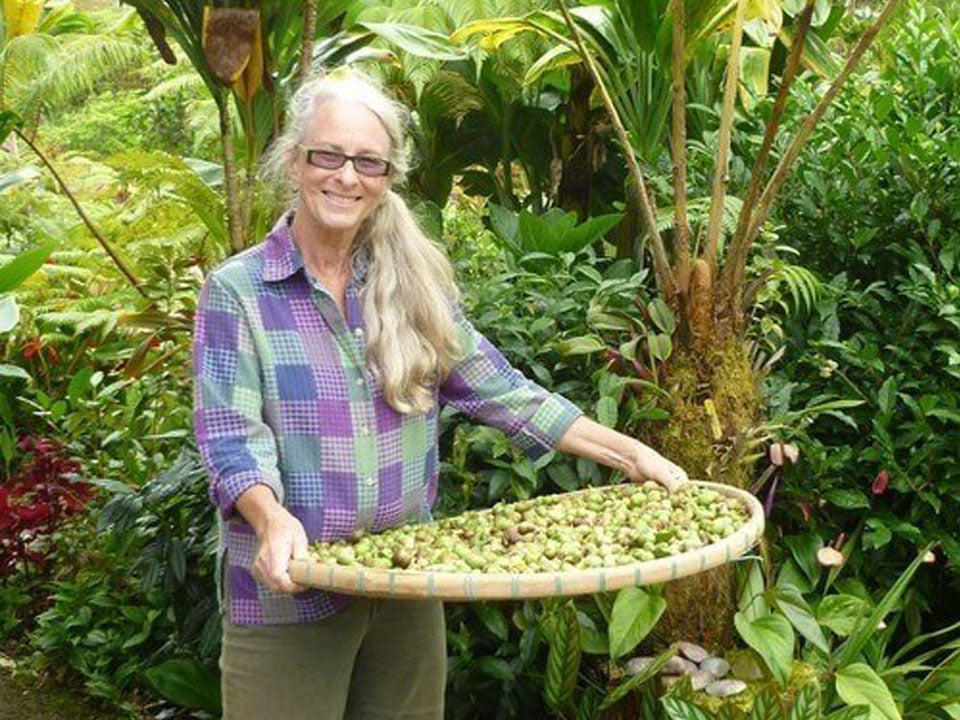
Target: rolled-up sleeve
238, 448
483, 385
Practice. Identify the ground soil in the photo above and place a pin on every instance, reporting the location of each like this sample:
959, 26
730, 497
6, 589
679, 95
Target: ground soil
25, 698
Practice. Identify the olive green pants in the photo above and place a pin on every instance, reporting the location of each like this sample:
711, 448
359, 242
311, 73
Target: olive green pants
375, 659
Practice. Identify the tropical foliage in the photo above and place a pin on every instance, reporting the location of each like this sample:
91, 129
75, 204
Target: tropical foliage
822, 374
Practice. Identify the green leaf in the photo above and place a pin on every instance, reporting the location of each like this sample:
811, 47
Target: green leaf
588, 232
492, 619
660, 345
766, 706
582, 345
851, 648
497, 668
9, 121
772, 637
9, 313
751, 601
887, 396
79, 384
563, 659
856, 712
635, 613
187, 683
15, 272
12, 371
791, 603
841, 612
804, 550
807, 704
847, 498
662, 316
679, 709
607, 411
649, 672
858, 684
417, 41
592, 640
18, 176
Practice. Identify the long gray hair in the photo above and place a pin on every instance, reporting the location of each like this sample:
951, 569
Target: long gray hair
410, 293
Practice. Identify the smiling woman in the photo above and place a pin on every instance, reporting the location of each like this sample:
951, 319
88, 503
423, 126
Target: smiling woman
322, 357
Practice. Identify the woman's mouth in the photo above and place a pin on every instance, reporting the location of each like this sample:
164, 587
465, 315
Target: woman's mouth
341, 200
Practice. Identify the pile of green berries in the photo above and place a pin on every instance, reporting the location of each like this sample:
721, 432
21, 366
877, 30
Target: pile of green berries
620, 525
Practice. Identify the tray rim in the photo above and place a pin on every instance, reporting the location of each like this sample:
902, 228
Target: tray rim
467, 587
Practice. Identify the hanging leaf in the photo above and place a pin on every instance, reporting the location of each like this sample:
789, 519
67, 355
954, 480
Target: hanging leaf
607, 411
858, 684
662, 316
417, 41
635, 613
187, 683
247, 84
228, 40
9, 313
21, 17
13, 371
563, 660
582, 345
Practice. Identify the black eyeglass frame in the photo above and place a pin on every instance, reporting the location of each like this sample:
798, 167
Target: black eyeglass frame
387, 165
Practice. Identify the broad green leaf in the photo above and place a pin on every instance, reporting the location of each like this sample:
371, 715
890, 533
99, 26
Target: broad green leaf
581, 345
9, 313
591, 639
493, 619
660, 345
497, 668
13, 274
79, 384
772, 637
804, 550
588, 232
563, 659
791, 603
417, 41
635, 613
847, 498
841, 612
187, 683
858, 684
887, 396
13, 371
662, 316
607, 411
766, 706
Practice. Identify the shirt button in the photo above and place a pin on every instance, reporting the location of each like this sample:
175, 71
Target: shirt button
358, 332
364, 429
370, 481
359, 381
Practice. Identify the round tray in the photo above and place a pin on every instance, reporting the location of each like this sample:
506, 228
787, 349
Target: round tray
419, 584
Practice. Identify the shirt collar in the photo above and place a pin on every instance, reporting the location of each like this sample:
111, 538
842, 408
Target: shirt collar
282, 257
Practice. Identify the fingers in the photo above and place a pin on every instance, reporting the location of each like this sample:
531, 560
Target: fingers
273, 558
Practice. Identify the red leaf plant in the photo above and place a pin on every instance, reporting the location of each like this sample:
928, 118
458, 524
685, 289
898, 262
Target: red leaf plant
35, 502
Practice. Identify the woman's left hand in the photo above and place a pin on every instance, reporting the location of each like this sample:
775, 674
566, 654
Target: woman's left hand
648, 464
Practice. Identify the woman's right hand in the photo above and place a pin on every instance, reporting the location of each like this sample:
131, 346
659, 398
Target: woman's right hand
281, 536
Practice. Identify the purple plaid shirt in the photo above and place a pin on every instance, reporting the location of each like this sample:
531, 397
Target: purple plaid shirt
283, 398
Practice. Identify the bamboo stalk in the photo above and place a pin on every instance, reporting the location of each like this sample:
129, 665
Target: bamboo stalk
234, 219
732, 275
309, 30
721, 174
678, 142
806, 129
84, 217
661, 265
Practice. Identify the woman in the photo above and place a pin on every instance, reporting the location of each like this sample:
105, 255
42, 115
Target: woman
322, 357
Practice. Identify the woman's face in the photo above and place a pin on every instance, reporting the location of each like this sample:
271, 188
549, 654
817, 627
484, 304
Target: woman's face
338, 201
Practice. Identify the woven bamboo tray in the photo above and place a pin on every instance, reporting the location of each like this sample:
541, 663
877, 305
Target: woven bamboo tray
420, 584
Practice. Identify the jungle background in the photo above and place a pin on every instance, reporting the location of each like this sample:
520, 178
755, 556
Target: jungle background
803, 344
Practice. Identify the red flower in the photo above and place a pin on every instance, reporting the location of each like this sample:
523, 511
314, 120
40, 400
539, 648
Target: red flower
880, 482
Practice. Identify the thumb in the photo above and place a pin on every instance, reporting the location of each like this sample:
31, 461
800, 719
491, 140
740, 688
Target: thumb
300, 547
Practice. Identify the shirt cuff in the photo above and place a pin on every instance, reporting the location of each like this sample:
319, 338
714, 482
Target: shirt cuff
226, 490
541, 433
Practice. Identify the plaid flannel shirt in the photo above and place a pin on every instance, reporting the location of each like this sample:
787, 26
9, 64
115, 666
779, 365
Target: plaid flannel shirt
283, 397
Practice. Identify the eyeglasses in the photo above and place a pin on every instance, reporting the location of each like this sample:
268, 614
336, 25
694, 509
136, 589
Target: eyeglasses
363, 164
